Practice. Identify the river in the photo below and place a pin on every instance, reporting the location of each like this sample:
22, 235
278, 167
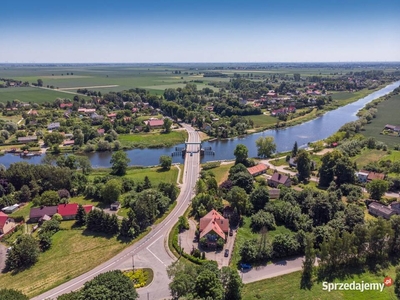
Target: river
311, 131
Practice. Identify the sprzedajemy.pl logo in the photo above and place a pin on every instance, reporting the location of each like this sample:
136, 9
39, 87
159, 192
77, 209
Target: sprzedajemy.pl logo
357, 286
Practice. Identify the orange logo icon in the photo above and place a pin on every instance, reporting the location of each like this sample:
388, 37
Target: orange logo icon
388, 281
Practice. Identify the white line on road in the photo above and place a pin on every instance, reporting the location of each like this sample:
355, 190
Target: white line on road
153, 252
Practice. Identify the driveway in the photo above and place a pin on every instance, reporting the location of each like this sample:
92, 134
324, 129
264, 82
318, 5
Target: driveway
3, 254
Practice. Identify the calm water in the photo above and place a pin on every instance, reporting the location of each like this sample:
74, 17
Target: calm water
311, 131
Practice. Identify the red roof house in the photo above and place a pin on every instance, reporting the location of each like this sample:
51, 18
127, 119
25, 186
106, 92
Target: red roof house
6, 223
68, 211
212, 226
155, 123
87, 208
257, 170
65, 105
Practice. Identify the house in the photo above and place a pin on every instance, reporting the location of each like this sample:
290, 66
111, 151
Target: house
115, 206
6, 223
212, 227
374, 175
66, 105
38, 212
86, 110
274, 193
292, 162
154, 123
95, 116
206, 127
53, 126
392, 127
68, 143
33, 113
257, 170
380, 210
278, 178
362, 176
27, 139
10, 209
69, 211
44, 219
100, 131
112, 115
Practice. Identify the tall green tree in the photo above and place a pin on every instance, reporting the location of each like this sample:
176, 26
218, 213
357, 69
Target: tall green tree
308, 263
344, 171
111, 191
377, 188
303, 165
231, 283
265, 146
208, 286
80, 216
259, 198
239, 199
119, 161
24, 253
397, 283
295, 149
326, 172
167, 125
165, 162
241, 154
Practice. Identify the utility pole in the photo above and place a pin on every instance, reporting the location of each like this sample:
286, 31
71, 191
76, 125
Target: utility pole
180, 245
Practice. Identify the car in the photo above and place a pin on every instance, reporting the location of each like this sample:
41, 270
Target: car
226, 253
191, 153
230, 232
245, 266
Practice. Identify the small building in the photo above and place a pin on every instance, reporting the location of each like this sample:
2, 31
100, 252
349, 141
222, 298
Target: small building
278, 178
274, 193
53, 126
100, 131
44, 219
68, 143
66, 105
212, 227
10, 209
33, 112
115, 206
375, 175
27, 139
380, 210
362, 176
257, 169
6, 223
292, 162
155, 123
112, 115
38, 212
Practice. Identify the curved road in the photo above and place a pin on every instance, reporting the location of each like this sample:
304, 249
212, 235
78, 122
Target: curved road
150, 251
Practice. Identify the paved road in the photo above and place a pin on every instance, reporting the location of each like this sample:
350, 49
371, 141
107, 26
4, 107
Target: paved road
149, 252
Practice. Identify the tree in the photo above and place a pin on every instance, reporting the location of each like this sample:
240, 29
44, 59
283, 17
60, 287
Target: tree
111, 191
265, 146
48, 198
24, 253
80, 216
262, 219
40, 82
231, 283
165, 162
377, 188
208, 286
397, 283
167, 125
241, 154
53, 138
109, 285
25, 194
10, 294
146, 183
326, 172
295, 149
344, 171
303, 165
308, 263
79, 138
259, 198
119, 161
243, 180
238, 198
84, 164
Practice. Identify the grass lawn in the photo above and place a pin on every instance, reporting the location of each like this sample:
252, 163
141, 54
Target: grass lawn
344, 98
288, 287
387, 114
156, 175
393, 156
155, 140
73, 252
367, 156
22, 211
221, 172
245, 233
261, 121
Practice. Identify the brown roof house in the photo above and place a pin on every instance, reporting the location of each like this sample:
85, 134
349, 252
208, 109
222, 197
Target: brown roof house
257, 170
38, 212
374, 175
278, 179
213, 227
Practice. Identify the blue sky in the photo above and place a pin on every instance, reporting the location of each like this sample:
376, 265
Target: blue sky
200, 31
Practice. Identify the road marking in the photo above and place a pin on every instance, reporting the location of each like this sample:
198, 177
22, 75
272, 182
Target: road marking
153, 252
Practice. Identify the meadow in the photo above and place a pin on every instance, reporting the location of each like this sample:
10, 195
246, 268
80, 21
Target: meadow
152, 139
388, 113
32, 94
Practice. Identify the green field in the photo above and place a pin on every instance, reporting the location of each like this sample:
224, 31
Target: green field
156, 175
388, 113
346, 97
156, 139
31, 94
261, 121
367, 156
288, 287
221, 172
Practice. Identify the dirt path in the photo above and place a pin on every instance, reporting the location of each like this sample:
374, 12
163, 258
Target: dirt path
89, 87
3, 253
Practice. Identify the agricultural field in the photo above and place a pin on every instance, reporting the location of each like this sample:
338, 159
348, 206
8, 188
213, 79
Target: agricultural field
388, 113
288, 287
31, 94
